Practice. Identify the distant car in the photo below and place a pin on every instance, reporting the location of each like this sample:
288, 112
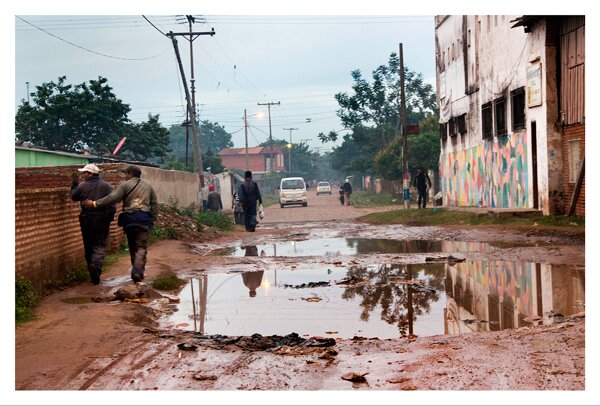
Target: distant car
323, 187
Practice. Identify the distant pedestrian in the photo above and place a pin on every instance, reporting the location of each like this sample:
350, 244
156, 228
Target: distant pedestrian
249, 194
213, 201
422, 182
140, 206
341, 192
94, 222
347, 188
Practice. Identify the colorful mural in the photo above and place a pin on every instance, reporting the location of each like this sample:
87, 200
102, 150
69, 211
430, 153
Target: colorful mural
493, 174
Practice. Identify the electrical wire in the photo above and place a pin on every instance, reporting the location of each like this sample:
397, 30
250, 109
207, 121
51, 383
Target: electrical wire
155, 27
89, 50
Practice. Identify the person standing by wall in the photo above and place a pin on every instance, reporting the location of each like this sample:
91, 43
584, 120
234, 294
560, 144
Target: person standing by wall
213, 201
422, 182
347, 187
249, 194
140, 206
94, 222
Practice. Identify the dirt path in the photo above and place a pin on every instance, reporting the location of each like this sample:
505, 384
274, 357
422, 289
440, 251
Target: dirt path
76, 344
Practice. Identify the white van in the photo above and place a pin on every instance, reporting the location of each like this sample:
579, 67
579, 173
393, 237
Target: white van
292, 191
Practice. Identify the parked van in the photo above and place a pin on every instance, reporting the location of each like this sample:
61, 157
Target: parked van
292, 191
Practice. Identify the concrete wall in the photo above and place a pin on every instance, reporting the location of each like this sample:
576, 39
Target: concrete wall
173, 186
490, 60
47, 234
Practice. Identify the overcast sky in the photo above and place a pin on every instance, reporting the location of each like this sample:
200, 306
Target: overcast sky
301, 61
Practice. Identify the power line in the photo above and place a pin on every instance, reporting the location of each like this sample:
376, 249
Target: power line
155, 27
89, 50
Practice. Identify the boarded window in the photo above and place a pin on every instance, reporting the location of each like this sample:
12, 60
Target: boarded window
452, 127
500, 115
461, 123
574, 159
487, 123
517, 104
443, 131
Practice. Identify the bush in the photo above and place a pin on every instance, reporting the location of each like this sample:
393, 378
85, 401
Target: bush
167, 281
218, 220
164, 233
26, 298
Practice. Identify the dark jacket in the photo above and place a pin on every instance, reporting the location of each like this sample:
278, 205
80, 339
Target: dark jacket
421, 180
249, 193
213, 202
347, 188
93, 188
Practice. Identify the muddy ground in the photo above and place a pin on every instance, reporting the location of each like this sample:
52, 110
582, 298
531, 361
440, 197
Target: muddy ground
77, 344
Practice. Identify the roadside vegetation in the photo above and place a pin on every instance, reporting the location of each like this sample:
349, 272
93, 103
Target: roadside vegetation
368, 199
440, 216
167, 281
26, 298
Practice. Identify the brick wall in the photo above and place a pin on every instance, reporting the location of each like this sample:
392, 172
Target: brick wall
573, 132
47, 234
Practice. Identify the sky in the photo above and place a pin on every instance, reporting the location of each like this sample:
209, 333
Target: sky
300, 53
300, 61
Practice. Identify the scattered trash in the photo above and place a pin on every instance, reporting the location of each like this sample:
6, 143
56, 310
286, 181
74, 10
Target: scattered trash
187, 347
200, 377
313, 299
398, 380
354, 377
308, 285
329, 271
331, 332
137, 300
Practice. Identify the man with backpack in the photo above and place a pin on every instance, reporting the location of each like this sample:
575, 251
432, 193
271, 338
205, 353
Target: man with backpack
422, 182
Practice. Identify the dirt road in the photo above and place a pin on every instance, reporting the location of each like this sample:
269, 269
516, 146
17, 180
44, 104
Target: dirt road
77, 344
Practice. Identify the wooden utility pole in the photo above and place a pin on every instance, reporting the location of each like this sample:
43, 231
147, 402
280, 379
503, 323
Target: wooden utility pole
190, 102
402, 128
269, 104
290, 148
246, 138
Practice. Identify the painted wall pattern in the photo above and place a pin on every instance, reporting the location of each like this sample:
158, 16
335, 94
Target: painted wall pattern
492, 174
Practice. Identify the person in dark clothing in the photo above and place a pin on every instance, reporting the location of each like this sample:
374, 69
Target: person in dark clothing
422, 182
249, 194
140, 206
252, 279
347, 188
213, 201
94, 222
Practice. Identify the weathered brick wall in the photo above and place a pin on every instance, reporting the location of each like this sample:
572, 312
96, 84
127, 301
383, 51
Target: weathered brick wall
47, 234
573, 132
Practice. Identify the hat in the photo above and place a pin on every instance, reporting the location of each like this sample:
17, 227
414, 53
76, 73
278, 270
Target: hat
91, 168
211, 187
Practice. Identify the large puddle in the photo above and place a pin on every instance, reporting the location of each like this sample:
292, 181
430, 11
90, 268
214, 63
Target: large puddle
354, 246
381, 301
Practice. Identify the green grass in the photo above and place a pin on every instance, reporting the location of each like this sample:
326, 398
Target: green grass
218, 220
167, 281
437, 216
26, 298
269, 199
367, 199
163, 233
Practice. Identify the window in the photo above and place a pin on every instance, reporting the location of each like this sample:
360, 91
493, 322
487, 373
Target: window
574, 159
487, 124
461, 123
443, 131
517, 104
500, 115
469, 38
452, 124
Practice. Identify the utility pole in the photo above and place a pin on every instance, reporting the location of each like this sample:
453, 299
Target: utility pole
27, 83
290, 148
269, 104
190, 102
246, 137
402, 128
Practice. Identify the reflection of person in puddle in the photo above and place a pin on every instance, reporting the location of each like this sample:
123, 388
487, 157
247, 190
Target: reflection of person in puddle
252, 280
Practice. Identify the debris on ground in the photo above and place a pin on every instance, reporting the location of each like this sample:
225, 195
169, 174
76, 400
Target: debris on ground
187, 347
354, 377
449, 258
182, 226
257, 342
312, 299
308, 285
200, 377
352, 281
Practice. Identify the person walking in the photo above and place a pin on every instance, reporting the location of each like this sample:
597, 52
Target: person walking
94, 222
347, 188
213, 201
422, 182
249, 194
140, 206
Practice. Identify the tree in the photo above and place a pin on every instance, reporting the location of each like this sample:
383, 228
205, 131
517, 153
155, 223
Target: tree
89, 117
73, 118
212, 137
145, 140
372, 114
303, 160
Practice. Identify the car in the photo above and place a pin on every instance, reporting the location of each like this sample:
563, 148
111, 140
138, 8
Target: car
323, 187
292, 191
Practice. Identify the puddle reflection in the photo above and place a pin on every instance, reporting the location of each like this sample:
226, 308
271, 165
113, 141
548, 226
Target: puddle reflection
353, 246
382, 300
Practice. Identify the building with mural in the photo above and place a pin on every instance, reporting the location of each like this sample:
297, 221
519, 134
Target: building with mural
512, 113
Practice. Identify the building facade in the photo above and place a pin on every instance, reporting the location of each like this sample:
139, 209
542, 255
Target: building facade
512, 117
258, 159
